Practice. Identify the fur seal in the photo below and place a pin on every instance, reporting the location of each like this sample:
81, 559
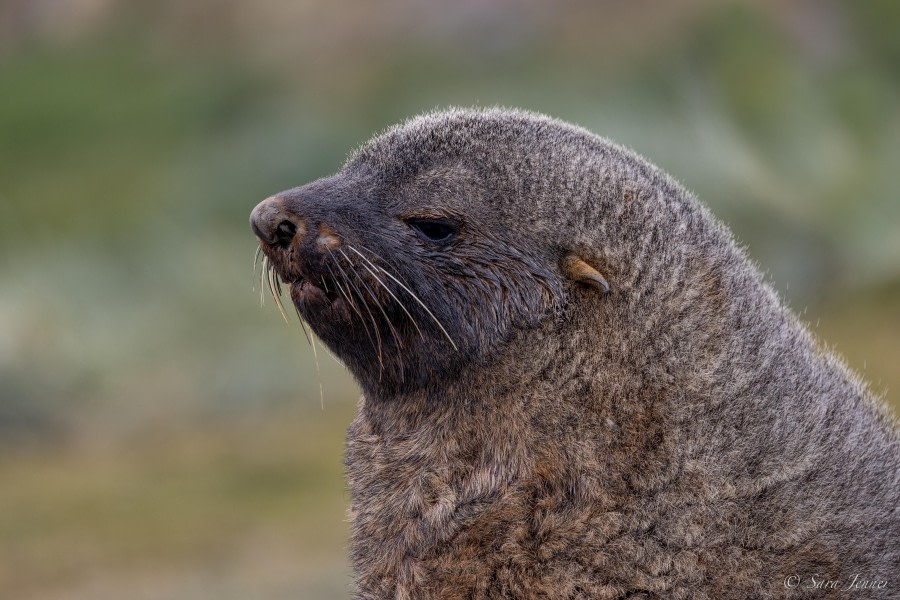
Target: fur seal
575, 384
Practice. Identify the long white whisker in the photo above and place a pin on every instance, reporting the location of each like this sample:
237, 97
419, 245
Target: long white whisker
368, 288
388, 290
348, 297
365, 305
302, 325
318, 374
414, 297
262, 274
255, 264
275, 289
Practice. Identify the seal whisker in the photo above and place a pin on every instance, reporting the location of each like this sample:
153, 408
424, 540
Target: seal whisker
348, 297
414, 297
275, 289
311, 340
262, 274
374, 297
266, 269
388, 290
365, 305
303, 325
275, 286
318, 372
256, 256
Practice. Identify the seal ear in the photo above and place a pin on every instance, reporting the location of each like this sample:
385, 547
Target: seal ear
575, 268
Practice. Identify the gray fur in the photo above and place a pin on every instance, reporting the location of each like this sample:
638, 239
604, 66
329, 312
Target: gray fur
683, 436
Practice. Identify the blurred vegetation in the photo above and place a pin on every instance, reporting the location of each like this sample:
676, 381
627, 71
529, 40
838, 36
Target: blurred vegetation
161, 435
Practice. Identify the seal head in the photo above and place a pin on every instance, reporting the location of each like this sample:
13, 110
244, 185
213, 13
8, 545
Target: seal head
420, 256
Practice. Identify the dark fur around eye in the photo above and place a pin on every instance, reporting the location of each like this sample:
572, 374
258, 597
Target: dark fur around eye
434, 230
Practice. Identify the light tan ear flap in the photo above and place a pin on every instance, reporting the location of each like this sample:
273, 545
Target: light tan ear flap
575, 268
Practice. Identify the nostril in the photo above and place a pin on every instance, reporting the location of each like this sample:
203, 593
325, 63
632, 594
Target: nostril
285, 232
274, 224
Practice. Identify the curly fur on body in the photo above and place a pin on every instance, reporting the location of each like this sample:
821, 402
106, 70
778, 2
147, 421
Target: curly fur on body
683, 436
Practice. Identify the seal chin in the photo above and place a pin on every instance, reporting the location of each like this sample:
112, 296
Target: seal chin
319, 305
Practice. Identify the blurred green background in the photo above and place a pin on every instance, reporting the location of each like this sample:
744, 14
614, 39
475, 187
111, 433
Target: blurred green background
161, 435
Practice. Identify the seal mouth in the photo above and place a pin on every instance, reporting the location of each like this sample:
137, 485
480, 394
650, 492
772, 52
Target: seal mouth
354, 302
315, 296
318, 301
304, 291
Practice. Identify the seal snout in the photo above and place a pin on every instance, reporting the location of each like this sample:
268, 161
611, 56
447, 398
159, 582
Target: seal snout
274, 224
299, 249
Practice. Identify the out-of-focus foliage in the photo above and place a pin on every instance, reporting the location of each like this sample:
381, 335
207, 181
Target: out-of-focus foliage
160, 434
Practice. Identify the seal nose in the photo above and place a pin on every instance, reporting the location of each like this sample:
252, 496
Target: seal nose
273, 224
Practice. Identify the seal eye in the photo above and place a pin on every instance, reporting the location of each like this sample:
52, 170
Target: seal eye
434, 230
